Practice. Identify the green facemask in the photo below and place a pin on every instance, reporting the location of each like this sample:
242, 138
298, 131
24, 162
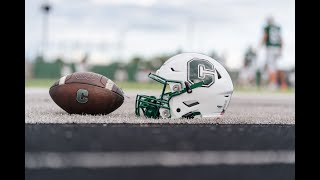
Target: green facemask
150, 105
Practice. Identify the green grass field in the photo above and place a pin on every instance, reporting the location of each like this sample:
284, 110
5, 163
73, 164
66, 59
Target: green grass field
46, 83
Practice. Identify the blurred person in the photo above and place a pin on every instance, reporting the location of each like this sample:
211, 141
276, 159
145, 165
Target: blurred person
272, 41
83, 65
251, 60
247, 73
250, 56
282, 79
65, 69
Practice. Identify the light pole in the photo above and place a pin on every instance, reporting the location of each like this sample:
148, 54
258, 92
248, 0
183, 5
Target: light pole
45, 8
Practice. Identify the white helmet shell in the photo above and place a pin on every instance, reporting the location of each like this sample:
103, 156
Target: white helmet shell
211, 99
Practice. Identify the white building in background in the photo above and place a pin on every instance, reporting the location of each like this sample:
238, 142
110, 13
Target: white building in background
121, 74
142, 75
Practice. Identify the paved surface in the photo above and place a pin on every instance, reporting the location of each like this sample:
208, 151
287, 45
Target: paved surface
244, 108
159, 151
254, 140
223, 172
155, 137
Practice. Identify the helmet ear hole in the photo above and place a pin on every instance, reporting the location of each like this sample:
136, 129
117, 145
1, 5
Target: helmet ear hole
176, 87
178, 109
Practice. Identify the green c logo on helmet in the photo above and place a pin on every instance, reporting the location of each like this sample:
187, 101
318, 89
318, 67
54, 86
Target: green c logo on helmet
82, 96
200, 70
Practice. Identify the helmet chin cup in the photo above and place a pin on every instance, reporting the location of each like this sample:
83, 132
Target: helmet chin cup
148, 105
152, 112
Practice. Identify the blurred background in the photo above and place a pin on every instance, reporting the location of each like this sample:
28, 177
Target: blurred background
126, 39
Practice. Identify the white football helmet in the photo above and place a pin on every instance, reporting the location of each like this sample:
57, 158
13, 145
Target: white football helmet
199, 87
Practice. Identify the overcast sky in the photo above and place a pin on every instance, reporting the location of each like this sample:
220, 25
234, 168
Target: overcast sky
153, 27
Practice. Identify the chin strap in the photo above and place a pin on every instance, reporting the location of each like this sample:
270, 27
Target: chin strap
188, 88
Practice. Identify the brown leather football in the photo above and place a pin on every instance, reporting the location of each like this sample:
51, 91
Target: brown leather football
86, 93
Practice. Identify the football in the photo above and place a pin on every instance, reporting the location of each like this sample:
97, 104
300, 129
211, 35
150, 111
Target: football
86, 93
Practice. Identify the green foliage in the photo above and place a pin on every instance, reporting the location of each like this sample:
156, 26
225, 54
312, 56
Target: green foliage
46, 83
73, 67
106, 70
42, 69
39, 59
